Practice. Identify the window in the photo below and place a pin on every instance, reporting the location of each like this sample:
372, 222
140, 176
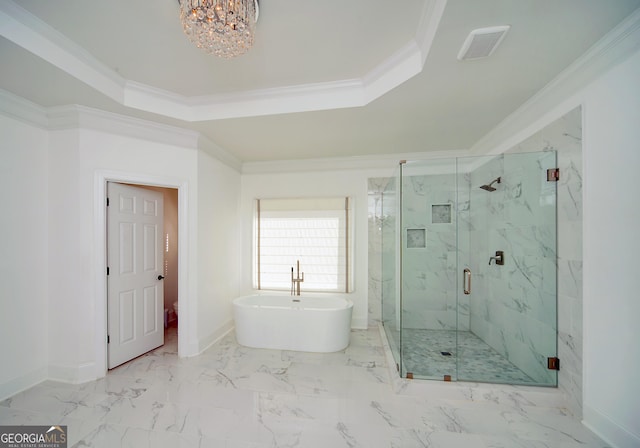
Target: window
313, 231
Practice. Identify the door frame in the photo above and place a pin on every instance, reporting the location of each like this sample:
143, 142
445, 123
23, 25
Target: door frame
100, 244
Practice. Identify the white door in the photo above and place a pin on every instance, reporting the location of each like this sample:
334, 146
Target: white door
135, 272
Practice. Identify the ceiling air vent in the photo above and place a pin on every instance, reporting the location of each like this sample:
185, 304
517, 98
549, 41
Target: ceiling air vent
482, 42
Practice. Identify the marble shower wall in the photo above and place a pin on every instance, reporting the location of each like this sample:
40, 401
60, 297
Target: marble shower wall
429, 272
382, 219
513, 306
565, 136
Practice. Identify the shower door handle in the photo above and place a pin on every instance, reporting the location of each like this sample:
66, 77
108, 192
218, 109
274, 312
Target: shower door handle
466, 281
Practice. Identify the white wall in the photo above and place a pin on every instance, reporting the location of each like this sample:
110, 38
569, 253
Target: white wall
611, 138
352, 183
218, 248
81, 159
24, 263
85, 158
71, 310
52, 277
611, 250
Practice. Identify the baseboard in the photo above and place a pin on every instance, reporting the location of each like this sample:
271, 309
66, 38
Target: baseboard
205, 343
73, 374
22, 383
608, 430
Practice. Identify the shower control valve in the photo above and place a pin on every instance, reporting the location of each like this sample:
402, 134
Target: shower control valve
499, 258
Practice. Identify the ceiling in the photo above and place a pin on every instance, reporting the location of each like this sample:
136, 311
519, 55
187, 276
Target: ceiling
324, 79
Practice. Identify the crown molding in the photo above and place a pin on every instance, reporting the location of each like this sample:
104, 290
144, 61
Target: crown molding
217, 152
34, 35
428, 25
151, 99
75, 117
301, 98
23, 110
359, 163
401, 66
81, 117
563, 93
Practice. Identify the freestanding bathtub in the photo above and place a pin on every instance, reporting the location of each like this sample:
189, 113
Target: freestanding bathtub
304, 323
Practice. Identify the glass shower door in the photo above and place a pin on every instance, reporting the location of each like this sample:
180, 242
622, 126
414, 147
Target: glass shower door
506, 250
389, 265
428, 269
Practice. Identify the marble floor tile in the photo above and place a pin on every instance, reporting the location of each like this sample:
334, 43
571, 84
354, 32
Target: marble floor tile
237, 397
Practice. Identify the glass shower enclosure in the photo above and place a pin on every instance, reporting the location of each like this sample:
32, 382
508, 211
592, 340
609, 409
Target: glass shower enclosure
469, 247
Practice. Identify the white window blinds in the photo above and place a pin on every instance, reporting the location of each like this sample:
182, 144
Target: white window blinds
313, 231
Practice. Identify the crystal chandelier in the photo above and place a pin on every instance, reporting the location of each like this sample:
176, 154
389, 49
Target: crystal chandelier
221, 27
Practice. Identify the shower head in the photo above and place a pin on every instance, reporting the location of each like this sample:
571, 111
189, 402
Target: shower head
490, 187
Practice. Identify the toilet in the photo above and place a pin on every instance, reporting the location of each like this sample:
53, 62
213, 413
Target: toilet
175, 308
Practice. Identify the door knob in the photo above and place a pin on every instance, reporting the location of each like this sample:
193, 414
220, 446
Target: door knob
160, 277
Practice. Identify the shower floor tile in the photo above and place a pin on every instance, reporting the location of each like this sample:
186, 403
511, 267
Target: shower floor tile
425, 355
